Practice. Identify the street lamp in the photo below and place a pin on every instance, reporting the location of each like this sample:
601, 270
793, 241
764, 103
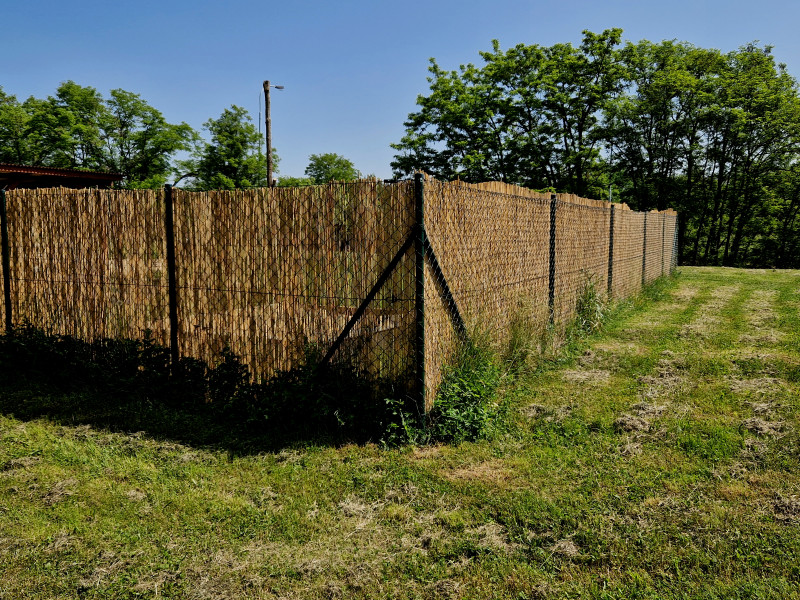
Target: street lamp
268, 124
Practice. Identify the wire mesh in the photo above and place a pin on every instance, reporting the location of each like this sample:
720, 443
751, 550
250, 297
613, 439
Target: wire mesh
628, 246
653, 266
274, 275
277, 275
581, 256
493, 251
89, 263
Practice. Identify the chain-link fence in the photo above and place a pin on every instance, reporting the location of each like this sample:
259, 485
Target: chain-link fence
383, 277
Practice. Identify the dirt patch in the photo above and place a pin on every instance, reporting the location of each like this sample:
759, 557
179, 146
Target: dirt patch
155, 582
620, 348
535, 411
787, 510
646, 410
491, 471
405, 493
136, 495
762, 408
766, 338
423, 452
667, 379
566, 548
759, 426
60, 491
493, 537
591, 376
62, 542
759, 386
107, 565
631, 423
23, 462
354, 507
444, 588
630, 448
754, 450
599, 359
685, 294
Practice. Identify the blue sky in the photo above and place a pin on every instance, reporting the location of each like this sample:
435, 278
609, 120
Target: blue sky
352, 69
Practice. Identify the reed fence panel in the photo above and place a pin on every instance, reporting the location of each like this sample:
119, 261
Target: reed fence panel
280, 276
581, 255
628, 247
89, 263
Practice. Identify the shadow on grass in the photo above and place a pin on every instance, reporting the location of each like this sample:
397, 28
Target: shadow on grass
126, 386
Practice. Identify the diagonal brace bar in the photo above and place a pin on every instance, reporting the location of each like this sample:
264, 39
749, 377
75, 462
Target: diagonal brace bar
368, 300
450, 301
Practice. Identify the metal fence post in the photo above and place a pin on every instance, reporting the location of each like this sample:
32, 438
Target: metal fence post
663, 241
673, 263
172, 280
644, 252
6, 250
611, 251
419, 276
551, 296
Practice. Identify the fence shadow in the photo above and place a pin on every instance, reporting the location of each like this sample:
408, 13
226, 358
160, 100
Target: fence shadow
126, 386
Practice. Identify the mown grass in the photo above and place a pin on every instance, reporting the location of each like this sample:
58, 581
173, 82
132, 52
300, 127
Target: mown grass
656, 459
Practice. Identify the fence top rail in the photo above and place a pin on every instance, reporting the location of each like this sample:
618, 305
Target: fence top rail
494, 187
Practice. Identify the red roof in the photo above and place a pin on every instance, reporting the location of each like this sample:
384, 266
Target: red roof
14, 176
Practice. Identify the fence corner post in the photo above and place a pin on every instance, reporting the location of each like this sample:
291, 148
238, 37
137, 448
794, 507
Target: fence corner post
611, 251
676, 241
551, 285
644, 252
6, 251
172, 281
663, 241
419, 277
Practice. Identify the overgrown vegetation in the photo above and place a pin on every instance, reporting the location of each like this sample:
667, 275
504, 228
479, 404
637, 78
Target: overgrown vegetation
127, 385
711, 134
656, 458
661, 462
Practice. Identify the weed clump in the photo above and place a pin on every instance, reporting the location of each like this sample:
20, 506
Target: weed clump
467, 406
130, 385
591, 307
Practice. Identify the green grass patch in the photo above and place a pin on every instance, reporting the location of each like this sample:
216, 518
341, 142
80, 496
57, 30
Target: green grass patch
655, 457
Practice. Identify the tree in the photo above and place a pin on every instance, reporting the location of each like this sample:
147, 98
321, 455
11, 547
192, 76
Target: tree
233, 157
295, 181
78, 128
528, 116
323, 168
139, 143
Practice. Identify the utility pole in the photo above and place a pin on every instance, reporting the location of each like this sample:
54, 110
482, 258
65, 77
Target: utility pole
268, 124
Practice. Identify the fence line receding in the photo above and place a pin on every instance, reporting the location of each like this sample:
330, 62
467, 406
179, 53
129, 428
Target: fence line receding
383, 276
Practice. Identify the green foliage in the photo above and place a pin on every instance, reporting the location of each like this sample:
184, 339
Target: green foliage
591, 306
232, 158
78, 128
323, 168
295, 181
714, 135
527, 117
467, 406
139, 141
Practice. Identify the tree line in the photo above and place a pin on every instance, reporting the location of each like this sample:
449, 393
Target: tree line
77, 128
714, 135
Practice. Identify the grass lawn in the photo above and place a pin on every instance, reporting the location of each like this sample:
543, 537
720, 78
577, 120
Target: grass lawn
659, 461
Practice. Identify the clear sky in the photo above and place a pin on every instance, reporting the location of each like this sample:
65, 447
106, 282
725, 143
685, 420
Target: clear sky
352, 69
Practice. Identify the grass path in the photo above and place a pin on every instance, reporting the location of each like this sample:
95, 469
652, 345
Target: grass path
662, 462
